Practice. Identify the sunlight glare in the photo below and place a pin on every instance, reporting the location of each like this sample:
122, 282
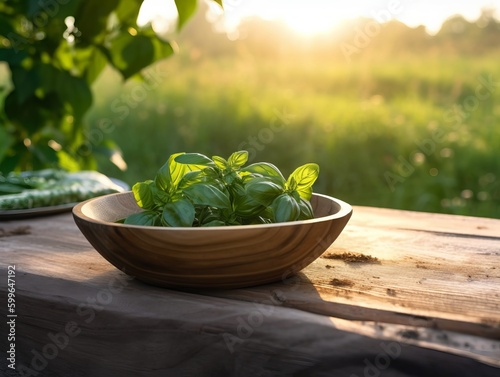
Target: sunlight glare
162, 14
306, 18
303, 21
313, 16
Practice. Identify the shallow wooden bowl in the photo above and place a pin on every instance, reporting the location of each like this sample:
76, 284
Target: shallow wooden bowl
216, 257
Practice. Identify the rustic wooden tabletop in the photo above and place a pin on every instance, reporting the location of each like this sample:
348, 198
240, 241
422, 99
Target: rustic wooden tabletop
398, 294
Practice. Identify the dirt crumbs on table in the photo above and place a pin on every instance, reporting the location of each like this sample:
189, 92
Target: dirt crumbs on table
391, 292
19, 231
341, 283
353, 258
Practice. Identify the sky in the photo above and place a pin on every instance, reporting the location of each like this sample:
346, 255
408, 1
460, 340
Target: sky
316, 16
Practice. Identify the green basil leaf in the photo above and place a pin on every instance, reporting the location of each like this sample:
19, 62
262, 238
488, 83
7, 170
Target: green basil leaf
231, 178
148, 218
176, 169
263, 191
266, 169
143, 194
191, 178
238, 159
178, 214
306, 211
302, 180
247, 207
160, 197
163, 180
285, 209
208, 195
194, 159
220, 162
214, 223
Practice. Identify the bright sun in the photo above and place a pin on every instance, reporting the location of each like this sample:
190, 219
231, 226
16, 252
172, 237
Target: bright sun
305, 17
301, 16
310, 17
306, 23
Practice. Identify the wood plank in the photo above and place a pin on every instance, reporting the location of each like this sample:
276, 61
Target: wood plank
421, 273
431, 278
443, 276
139, 330
442, 223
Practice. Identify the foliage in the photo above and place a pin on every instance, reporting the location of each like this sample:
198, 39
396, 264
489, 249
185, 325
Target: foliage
55, 50
357, 120
191, 189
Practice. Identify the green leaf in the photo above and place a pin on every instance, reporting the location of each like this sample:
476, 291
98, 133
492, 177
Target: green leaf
230, 178
25, 82
130, 54
95, 64
285, 209
45, 155
146, 218
163, 180
214, 223
54, 10
302, 180
128, 10
42, 111
220, 162
92, 17
160, 197
162, 49
191, 178
186, 9
194, 159
266, 169
176, 170
143, 194
247, 207
238, 159
74, 91
263, 191
208, 195
306, 211
179, 213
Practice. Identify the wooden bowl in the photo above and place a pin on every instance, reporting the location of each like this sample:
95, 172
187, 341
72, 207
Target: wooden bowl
216, 257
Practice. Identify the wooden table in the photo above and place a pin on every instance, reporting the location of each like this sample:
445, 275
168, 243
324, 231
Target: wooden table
423, 300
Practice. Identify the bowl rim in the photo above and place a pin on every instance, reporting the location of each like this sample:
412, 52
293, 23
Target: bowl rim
345, 210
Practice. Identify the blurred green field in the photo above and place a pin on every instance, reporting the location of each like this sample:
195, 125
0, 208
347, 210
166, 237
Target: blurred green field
404, 132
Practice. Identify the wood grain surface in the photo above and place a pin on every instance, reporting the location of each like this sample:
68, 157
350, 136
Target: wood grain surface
428, 287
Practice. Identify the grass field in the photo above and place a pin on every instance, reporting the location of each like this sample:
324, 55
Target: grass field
419, 133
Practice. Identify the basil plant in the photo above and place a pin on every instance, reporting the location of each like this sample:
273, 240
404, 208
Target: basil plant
191, 189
